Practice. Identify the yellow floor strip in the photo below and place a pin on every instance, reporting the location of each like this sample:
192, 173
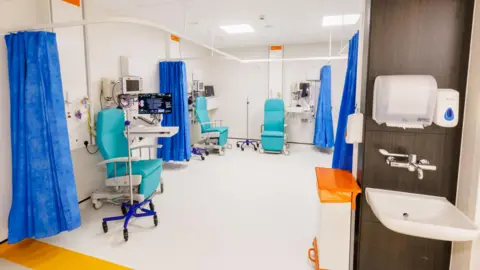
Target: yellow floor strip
38, 255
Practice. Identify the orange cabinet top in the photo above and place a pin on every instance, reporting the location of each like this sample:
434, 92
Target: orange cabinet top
336, 186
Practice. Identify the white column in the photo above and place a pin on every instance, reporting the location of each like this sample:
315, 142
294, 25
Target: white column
275, 71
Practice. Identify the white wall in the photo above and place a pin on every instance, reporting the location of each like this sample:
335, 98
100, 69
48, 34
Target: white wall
466, 255
234, 82
31, 12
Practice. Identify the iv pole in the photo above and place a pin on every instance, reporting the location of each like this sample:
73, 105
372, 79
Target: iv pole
248, 142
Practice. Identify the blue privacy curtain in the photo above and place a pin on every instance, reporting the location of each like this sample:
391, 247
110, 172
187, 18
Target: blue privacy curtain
44, 199
173, 79
343, 152
323, 136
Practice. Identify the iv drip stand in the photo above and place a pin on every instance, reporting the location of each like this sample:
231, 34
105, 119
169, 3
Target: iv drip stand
248, 142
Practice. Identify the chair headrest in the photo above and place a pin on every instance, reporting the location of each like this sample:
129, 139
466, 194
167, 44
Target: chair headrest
201, 104
274, 104
110, 120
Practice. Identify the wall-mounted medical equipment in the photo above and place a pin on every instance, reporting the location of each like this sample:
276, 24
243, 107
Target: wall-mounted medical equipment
303, 97
209, 91
154, 103
132, 85
354, 128
405, 101
198, 86
301, 90
446, 112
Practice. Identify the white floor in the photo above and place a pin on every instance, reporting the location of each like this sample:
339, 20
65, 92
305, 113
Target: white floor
240, 211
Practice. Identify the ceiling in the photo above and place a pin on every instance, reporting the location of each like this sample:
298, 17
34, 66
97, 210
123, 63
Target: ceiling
286, 22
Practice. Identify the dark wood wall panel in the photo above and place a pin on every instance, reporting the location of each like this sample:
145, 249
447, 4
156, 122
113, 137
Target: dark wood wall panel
412, 37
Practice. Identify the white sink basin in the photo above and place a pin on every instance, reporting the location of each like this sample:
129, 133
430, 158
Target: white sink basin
421, 215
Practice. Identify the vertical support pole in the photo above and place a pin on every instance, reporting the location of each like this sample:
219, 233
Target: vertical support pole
50, 14
88, 72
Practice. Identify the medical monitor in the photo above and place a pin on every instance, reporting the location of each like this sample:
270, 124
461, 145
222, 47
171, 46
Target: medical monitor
154, 103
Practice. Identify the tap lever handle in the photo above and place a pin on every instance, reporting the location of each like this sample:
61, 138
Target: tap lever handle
387, 154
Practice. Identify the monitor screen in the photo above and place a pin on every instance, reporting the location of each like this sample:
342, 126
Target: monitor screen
133, 85
155, 103
209, 91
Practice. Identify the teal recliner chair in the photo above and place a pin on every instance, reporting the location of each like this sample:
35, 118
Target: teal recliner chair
113, 146
215, 135
273, 129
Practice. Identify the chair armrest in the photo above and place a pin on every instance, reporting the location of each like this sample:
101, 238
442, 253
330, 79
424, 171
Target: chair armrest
147, 146
206, 123
212, 122
115, 160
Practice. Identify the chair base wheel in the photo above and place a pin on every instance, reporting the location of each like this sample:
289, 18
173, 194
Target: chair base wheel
97, 205
202, 157
125, 235
152, 206
105, 227
155, 220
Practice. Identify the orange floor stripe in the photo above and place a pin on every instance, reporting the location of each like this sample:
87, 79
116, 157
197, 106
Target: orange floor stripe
38, 255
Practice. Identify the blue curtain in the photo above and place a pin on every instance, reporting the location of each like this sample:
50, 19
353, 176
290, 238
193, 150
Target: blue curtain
343, 152
173, 79
323, 136
44, 199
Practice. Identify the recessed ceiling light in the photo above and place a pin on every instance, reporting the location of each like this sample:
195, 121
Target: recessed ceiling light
238, 28
348, 19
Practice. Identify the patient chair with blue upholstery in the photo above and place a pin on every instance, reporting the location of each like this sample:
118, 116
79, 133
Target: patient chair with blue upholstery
273, 129
113, 146
215, 135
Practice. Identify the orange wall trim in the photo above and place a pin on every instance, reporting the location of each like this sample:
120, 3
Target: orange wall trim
174, 38
276, 48
73, 2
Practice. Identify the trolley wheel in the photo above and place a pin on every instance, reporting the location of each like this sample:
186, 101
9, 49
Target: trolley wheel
207, 153
125, 235
202, 157
97, 205
105, 227
124, 210
155, 220
152, 207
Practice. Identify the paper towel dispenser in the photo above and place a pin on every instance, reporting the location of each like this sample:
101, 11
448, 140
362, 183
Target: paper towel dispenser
405, 101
